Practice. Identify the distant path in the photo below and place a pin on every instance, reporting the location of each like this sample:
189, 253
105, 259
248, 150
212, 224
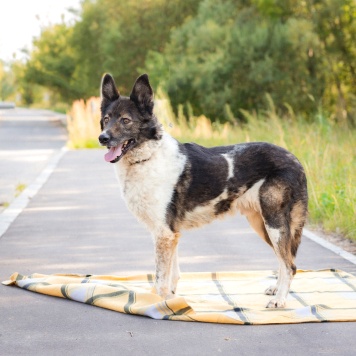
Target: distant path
28, 140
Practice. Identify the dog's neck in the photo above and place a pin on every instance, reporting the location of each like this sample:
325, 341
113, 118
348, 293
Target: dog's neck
143, 153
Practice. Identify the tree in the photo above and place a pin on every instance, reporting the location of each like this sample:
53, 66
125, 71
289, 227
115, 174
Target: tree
52, 62
234, 55
110, 36
6, 82
335, 23
217, 55
115, 35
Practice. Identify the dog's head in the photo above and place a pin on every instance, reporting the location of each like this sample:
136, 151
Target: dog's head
126, 122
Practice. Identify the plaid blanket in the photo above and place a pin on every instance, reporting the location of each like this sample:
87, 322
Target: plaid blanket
226, 297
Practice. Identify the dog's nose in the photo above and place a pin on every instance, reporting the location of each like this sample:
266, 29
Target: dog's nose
104, 138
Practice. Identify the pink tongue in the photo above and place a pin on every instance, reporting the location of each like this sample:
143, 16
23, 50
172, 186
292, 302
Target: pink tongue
113, 153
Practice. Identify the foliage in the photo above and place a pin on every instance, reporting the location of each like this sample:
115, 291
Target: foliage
110, 36
13, 85
335, 23
6, 83
216, 56
52, 62
233, 52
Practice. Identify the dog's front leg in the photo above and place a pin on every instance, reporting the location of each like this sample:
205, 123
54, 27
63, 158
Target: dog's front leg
175, 272
165, 248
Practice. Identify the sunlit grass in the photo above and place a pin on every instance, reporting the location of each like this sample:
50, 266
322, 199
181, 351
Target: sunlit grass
83, 124
326, 150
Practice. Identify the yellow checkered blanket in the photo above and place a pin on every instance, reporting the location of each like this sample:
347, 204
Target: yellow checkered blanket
226, 297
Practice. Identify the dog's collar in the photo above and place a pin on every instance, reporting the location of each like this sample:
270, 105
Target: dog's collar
137, 162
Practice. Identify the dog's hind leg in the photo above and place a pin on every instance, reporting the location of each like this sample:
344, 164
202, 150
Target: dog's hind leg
165, 249
281, 240
286, 241
283, 216
256, 222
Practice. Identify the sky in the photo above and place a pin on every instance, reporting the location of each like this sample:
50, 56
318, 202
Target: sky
21, 21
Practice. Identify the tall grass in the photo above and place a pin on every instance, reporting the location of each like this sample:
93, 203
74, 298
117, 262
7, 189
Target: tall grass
326, 150
83, 123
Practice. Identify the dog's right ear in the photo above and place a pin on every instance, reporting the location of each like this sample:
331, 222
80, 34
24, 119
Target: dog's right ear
109, 92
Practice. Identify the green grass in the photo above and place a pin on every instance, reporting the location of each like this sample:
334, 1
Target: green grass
4, 204
20, 187
326, 150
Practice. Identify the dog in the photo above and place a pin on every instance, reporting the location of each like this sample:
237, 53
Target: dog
170, 186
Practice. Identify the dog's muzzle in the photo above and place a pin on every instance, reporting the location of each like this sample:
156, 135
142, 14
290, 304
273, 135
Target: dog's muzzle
104, 138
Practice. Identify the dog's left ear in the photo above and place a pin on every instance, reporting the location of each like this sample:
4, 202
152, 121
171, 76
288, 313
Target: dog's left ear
142, 94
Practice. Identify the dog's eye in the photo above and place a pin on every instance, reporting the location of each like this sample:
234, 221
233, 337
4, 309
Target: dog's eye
106, 120
125, 120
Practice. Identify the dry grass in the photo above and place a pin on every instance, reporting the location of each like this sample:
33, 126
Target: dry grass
326, 150
83, 123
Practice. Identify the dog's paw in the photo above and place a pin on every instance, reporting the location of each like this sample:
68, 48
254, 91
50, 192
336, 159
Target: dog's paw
276, 303
173, 289
170, 296
173, 284
163, 294
272, 290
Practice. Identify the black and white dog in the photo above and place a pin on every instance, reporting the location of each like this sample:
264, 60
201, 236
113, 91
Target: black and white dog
171, 186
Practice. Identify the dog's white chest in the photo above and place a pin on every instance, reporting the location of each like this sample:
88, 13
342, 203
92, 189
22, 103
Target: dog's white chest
147, 187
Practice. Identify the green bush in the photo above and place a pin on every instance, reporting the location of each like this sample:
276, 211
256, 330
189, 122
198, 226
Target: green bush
234, 52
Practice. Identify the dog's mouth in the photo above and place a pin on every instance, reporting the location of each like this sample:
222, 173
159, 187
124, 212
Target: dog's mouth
117, 152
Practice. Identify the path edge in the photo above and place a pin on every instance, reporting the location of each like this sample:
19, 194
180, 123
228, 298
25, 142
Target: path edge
8, 216
330, 246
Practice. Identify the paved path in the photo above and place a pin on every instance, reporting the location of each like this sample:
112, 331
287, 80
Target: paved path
78, 223
28, 138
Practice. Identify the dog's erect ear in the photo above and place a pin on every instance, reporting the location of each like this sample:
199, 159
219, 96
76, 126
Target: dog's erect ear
109, 92
142, 94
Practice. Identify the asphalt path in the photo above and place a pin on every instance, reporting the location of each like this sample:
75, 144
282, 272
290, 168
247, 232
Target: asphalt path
78, 223
28, 138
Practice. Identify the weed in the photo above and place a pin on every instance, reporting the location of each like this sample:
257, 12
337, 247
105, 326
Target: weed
20, 187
